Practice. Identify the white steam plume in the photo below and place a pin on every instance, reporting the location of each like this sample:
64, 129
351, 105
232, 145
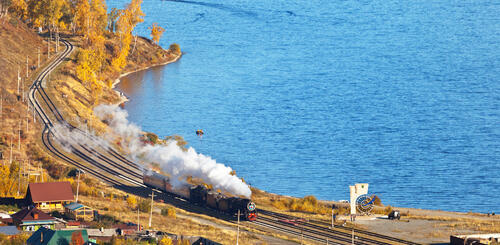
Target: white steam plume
172, 159
65, 135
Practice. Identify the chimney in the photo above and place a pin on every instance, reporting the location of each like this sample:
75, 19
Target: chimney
35, 215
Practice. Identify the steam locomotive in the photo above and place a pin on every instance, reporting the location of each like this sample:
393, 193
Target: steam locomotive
200, 195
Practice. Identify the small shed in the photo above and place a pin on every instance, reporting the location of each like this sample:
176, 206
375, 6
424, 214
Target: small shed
79, 211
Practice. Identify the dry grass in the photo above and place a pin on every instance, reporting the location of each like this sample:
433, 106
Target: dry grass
460, 223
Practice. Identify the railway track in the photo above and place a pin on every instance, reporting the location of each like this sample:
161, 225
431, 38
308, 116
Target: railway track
322, 229
103, 162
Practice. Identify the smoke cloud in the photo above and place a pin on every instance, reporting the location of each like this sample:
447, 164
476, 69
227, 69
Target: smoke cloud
171, 158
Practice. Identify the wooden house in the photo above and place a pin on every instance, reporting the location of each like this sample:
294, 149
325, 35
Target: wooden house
30, 219
49, 196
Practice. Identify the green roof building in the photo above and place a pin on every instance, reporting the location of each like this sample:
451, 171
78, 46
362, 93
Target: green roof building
44, 236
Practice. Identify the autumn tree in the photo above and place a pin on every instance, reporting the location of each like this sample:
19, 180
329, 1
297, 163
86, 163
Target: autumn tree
86, 71
8, 176
166, 241
112, 18
131, 201
81, 12
156, 32
19, 8
77, 238
126, 23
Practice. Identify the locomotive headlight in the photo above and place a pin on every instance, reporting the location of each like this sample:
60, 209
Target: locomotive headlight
251, 206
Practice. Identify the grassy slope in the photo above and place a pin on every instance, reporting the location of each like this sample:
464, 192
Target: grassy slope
17, 42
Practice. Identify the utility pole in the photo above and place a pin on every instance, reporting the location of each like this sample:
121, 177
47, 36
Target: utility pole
77, 185
352, 236
24, 173
18, 78
138, 224
332, 218
38, 57
151, 211
11, 145
302, 230
238, 234
41, 170
27, 116
19, 181
19, 136
48, 47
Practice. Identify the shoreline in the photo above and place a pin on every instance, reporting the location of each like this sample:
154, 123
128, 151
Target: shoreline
118, 80
121, 95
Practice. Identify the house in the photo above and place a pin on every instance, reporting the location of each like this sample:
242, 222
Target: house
101, 234
78, 211
5, 219
30, 219
49, 196
126, 229
44, 236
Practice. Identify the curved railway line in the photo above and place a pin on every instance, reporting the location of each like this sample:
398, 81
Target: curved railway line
103, 162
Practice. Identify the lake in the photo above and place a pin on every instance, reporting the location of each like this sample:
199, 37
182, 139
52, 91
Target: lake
309, 97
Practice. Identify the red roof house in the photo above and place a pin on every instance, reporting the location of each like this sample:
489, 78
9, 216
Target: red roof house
49, 196
30, 219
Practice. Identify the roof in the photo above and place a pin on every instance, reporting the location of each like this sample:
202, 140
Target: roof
127, 226
9, 230
50, 192
4, 216
101, 232
73, 223
74, 206
28, 214
51, 237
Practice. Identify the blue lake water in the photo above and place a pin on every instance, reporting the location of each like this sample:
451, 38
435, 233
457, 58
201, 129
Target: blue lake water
308, 97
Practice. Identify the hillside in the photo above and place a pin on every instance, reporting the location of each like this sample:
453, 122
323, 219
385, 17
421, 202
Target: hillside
18, 132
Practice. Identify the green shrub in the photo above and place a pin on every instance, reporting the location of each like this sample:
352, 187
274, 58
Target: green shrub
144, 205
169, 212
175, 48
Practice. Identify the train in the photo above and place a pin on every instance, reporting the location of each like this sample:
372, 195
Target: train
202, 196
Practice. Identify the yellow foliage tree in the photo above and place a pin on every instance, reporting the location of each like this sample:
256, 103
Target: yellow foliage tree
166, 241
86, 71
8, 176
156, 32
127, 20
131, 201
81, 13
19, 7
